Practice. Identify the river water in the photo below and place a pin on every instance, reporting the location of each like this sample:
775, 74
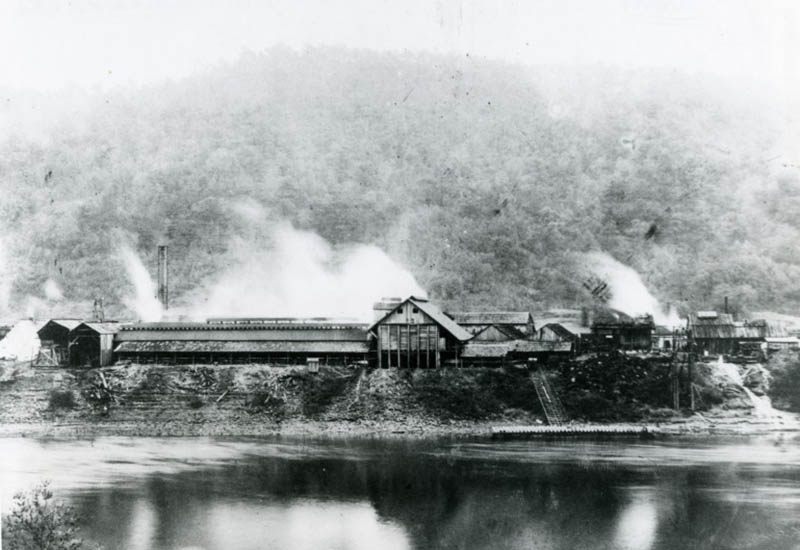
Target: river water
229, 494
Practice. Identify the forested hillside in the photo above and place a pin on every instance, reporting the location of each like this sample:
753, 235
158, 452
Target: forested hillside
486, 181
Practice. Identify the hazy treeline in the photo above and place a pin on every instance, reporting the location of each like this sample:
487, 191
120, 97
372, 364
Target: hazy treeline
485, 180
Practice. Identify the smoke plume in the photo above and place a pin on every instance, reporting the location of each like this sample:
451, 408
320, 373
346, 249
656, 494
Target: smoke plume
628, 293
52, 290
283, 271
143, 302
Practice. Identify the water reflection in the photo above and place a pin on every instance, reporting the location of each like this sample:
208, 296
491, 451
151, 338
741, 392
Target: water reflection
247, 494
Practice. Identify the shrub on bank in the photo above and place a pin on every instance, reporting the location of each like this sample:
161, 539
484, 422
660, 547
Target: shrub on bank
61, 400
38, 522
784, 390
475, 393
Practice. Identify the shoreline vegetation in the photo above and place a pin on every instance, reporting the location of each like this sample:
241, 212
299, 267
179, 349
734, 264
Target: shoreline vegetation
267, 400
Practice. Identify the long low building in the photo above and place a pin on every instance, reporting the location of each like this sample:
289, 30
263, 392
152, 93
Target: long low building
226, 342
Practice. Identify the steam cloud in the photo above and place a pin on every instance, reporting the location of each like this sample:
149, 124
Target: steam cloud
628, 293
280, 271
298, 273
52, 290
144, 302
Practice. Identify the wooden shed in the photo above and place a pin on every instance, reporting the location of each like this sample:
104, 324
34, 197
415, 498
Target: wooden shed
417, 334
55, 337
92, 344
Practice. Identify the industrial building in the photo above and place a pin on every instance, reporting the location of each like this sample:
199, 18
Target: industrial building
284, 341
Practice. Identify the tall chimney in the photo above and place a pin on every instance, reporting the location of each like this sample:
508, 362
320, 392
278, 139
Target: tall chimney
726, 304
163, 282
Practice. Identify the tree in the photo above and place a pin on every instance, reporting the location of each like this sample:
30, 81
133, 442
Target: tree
38, 522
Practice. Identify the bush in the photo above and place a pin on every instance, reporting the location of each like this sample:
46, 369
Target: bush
38, 522
61, 399
784, 389
196, 402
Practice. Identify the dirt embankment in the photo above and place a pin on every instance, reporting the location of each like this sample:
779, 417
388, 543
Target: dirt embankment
264, 399
259, 399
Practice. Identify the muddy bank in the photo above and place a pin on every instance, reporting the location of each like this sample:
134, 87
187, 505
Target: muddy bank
253, 400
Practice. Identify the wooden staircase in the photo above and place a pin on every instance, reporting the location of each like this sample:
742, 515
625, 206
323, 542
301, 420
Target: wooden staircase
551, 404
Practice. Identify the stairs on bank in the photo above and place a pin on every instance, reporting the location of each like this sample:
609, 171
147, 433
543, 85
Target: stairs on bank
551, 404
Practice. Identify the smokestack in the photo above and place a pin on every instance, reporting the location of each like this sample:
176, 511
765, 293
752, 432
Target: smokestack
163, 282
726, 304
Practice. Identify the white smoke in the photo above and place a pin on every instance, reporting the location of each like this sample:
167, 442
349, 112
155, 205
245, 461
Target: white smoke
144, 302
21, 343
283, 271
628, 293
5, 279
52, 290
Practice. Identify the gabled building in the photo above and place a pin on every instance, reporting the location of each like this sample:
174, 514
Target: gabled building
521, 322
414, 333
55, 337
92, 344
613, 329
718, 333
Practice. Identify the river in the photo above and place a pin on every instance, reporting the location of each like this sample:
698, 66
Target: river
293, 493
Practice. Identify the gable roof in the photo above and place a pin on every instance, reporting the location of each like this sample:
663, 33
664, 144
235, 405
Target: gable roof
492, 317
434, 313
68, 324
509, 331
568, 329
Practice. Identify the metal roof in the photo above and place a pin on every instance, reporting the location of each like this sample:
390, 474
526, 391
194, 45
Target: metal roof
101, 328
509, 331
203, 332
492, 317
572, 329
438, 316
203, 346
68, 324
502, 349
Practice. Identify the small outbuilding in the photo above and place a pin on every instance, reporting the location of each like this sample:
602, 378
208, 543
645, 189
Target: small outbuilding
92, 344
55, 337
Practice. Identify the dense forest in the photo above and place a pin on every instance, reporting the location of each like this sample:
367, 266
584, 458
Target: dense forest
487, 181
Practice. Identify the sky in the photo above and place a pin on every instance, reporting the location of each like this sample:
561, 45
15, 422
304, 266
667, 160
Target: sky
53, 45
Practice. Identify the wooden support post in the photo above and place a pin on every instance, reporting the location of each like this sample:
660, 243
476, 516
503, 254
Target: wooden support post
389, 344
408, 345
418, 343
436, 344
380, 359
691, 385
399, 354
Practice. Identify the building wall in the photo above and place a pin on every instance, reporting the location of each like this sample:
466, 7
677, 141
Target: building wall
410, 338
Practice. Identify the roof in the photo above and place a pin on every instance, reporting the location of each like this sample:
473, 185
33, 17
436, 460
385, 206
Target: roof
723, 327
68, 324
710, 318
438, 316
501, 349
474, 349
101, 328
568, 329
510, 332
202, 346
784, 340
142, 332
533, 346
492, 317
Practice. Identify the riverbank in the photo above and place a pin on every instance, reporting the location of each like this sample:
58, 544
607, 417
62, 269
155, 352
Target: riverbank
260, 400
256, 400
